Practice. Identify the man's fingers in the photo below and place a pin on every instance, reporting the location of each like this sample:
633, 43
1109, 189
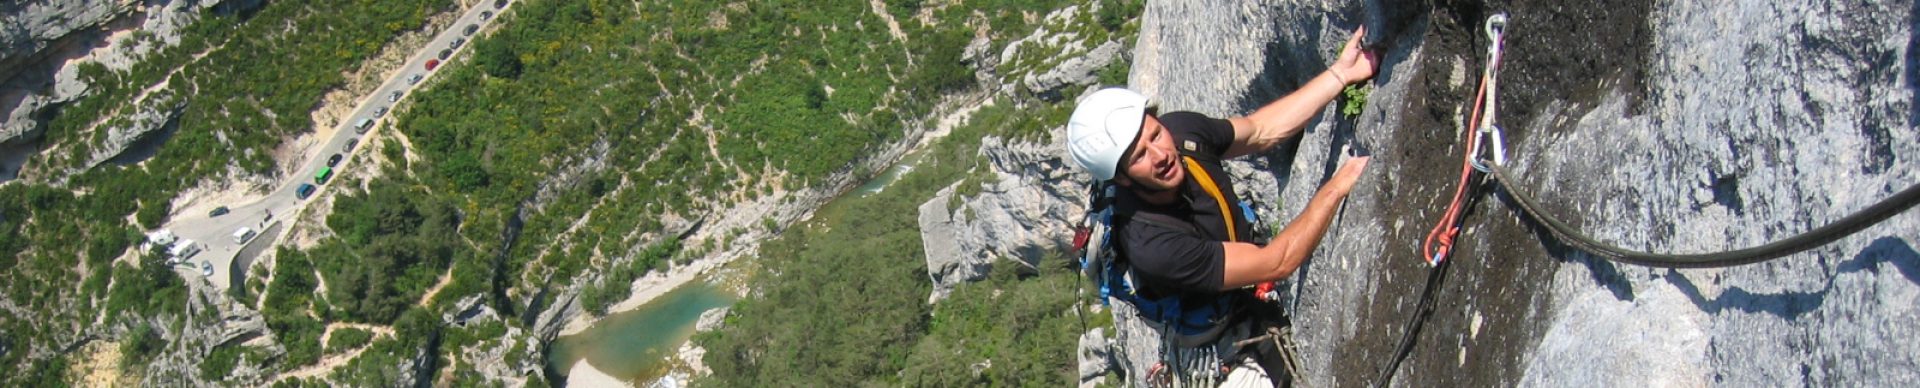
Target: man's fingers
1356, 164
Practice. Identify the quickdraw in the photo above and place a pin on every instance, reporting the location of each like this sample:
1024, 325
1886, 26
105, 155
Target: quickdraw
1439, 242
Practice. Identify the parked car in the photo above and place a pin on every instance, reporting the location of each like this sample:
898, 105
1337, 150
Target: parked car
470, 29
218, 211
324, 174
432, 63
394, 97
446, 53
484, 15
458, 41
415, 79
240, 236
350, 144
362, 125
497, 4
380, 112
206, 269
333, 160
305, 190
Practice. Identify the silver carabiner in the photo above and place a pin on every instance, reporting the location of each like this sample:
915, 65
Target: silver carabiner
1497, 26
1499, 148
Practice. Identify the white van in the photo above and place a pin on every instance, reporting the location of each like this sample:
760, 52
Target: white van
362, 125
241, 236
184, 249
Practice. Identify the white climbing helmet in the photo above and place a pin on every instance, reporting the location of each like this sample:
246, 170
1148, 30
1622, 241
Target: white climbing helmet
1103, 126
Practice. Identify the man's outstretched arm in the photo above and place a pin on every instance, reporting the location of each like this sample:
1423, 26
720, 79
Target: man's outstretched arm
1284, 118
1248, 264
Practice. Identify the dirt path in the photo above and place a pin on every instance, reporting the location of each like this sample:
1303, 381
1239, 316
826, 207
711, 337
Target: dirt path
893, 26
331, 362
445, 277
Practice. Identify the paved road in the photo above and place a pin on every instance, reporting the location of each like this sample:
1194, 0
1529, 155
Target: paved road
216, 233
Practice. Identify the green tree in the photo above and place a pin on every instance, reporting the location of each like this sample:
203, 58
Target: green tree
496, 58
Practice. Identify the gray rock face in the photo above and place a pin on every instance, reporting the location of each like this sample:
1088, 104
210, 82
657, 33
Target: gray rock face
151, 118
33, 26
1017, 216
1073, 71
493, 358
1758, 124
1066, 58
33, 29
1656, 125
1095, 358
564, 306
233, 325
44, 42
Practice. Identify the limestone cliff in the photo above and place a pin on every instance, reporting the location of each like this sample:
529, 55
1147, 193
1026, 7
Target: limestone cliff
43, 42
1658, 125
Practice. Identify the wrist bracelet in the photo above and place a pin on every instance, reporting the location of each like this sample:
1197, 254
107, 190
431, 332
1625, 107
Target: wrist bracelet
1336, 75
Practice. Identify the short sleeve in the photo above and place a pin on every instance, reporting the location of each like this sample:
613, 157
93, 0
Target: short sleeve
1211, 136
1173, 260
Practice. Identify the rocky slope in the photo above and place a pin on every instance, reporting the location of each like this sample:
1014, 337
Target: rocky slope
46, 40
1652, 124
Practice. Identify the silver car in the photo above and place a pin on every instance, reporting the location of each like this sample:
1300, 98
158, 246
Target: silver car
415, 79
380, 112
394, 97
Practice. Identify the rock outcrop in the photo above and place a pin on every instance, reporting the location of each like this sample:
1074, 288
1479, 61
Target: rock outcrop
1017, 216
35, 26
1047, 62
1657, 125
494, 359
45, 41
232, 324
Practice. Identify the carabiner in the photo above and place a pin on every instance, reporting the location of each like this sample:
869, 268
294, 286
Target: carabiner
1499, 148
1496, 26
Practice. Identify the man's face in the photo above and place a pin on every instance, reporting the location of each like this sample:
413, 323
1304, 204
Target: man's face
1152, 164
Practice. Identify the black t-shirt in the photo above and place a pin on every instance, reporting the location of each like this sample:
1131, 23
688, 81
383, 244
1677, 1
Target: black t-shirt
1173, 260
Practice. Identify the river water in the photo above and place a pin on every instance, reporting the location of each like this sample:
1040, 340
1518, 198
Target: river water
633, 345
893, 173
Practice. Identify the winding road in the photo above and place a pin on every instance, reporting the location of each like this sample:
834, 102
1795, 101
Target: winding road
215, 233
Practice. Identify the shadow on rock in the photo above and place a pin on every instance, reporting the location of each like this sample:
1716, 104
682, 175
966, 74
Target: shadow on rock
1793, 304
1604, 273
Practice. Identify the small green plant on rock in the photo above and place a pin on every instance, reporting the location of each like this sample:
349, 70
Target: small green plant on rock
1353, 99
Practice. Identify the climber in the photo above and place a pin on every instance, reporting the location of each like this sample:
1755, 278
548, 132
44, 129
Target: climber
1170, 166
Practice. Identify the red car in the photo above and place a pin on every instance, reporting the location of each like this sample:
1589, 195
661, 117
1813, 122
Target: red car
432, 63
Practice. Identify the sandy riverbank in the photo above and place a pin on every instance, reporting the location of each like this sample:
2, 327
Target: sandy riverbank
583, 374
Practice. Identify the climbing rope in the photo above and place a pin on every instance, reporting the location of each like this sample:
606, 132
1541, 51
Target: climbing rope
1414, 323
1283, 344
1439, 242
1852, 223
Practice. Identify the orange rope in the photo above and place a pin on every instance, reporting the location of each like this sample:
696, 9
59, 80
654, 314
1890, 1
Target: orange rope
1449, 226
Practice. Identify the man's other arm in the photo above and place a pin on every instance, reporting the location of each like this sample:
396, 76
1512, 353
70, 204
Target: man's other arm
1248, 264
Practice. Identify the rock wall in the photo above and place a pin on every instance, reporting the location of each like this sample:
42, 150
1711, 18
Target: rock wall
211, 321
34, 26
1659, 125
1016, 216
44, 41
